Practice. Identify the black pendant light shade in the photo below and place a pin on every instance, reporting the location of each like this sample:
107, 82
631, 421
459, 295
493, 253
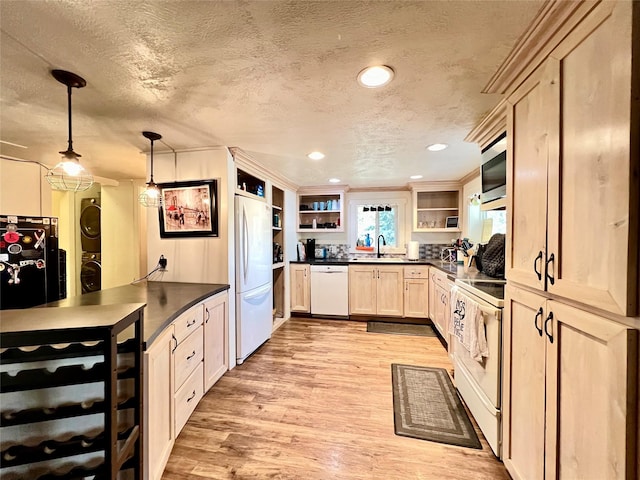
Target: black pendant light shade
151, 196
69, 175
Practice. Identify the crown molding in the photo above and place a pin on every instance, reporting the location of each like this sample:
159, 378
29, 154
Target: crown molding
244, 161
554, 21
472, 175
490, 127
434, 186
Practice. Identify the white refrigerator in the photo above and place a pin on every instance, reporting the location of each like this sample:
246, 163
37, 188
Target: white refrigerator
254, 299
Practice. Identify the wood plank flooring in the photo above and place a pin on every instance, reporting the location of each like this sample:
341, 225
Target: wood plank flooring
315, 402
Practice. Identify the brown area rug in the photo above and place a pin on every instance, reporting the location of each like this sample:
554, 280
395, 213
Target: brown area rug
401, 329
426, 406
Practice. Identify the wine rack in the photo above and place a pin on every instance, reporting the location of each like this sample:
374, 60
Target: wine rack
71, 392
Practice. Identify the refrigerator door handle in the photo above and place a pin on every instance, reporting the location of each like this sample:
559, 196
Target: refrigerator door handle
245, 242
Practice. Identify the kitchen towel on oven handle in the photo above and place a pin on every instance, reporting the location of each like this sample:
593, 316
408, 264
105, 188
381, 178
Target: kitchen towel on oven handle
467, 324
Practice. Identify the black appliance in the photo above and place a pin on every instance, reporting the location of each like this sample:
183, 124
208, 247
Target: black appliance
493, 171
90, 224
90, 272
311, 249
31, 270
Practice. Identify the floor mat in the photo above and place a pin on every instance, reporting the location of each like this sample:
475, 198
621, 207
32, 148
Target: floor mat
426, 406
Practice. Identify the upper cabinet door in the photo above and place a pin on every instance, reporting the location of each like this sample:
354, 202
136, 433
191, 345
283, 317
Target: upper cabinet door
528, 113
593, 199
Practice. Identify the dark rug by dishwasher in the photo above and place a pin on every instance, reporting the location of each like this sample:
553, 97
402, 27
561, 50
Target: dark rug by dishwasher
401, 329
426, 406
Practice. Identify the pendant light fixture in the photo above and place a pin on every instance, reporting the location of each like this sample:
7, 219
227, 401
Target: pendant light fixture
151, 196
69, 175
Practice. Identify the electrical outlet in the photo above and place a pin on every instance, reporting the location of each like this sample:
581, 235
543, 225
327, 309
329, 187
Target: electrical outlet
162, 262
333, 249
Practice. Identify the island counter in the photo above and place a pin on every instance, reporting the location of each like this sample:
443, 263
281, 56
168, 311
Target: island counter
165, 301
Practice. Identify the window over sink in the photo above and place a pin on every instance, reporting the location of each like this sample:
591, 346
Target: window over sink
378, 213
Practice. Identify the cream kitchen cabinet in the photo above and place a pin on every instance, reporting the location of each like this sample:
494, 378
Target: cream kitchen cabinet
216, 351
187, 364
416, 292
441, 310
300, 288
186, 359
573, 196
557, 424
376, 290
158, 396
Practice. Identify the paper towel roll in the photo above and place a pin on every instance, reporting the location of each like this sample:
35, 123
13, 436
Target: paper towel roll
413, 250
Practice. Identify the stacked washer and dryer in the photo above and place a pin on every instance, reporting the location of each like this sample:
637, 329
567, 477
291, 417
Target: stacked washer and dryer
91, 270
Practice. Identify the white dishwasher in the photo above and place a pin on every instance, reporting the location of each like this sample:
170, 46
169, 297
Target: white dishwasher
330, 290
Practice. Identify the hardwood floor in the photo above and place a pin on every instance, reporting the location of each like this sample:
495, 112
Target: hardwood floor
315, 402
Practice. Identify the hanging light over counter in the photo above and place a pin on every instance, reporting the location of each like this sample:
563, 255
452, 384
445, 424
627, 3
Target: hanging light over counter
69, 175
151, 196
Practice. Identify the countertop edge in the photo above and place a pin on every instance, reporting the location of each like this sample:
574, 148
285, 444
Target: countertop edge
150, 338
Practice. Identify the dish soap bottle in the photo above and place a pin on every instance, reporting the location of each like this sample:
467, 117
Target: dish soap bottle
367, 240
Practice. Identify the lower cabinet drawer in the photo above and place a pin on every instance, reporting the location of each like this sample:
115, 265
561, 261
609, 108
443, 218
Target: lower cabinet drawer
187, 397
187, 356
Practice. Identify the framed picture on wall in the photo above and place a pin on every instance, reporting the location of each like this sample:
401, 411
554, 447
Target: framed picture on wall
189, 209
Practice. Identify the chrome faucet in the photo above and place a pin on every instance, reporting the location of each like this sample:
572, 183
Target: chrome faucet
383, 243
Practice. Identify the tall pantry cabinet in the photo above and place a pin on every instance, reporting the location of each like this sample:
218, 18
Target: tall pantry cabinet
570, 380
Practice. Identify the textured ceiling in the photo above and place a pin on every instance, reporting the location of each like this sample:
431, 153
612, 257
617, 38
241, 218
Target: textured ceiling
275, 78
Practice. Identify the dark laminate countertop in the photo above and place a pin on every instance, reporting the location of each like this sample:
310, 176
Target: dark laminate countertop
453, 270
164, 301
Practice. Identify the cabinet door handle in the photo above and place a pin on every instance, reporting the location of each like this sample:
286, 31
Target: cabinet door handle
546, 330
374, 273
193, 395
406, 286
192, 355
550, 261
535, 265
535, 321
176, 343
206, 310
192, 323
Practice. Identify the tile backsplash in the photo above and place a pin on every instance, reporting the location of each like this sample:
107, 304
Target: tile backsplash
428, 251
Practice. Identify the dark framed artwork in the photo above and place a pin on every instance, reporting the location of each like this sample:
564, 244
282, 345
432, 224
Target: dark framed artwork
189, 209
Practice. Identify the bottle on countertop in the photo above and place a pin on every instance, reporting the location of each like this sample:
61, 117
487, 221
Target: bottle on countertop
367, 240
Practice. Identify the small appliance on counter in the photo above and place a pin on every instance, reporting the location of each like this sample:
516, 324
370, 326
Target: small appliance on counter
310, 248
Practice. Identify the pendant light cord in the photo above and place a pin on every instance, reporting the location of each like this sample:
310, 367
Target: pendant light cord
151, 179
70, 148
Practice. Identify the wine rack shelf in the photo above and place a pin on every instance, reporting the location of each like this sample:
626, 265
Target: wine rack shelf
96, 347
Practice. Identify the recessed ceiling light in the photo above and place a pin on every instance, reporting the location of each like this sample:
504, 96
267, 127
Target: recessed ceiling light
376, 76
436, 147
334, 180
316, 155
415, 177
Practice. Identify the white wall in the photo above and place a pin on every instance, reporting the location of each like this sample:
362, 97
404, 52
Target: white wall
199, 259
121, 215
472, 226
24, 190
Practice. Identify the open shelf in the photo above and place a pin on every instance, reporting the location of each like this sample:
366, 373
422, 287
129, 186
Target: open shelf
325, 208
250, 186
432, 206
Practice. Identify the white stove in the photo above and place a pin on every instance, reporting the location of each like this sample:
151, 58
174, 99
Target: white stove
479, 381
